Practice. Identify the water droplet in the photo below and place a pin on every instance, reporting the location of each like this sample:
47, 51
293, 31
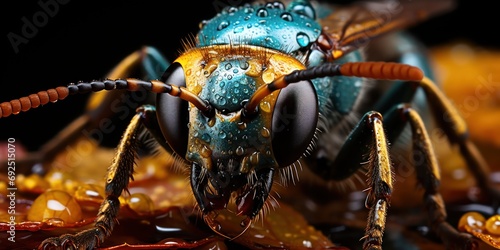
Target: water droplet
265, 106
279, 5
238, 29
307, 243
472, 219
269, 40
89, 192
202, 24
240, 150
222, 135
265, 132
255, 158
222, 101
303, 39
209, 69
229, 76
262, 12
268, 76
287, 17
228, 66
205, 151
140, 203
244, 65
303, 9
242, 125
493, 225
222, 25
211, 122
55, 204
206, 137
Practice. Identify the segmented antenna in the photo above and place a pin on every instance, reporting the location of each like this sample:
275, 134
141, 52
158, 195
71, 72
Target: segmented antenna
375, 70
52, 95
382, 71
32, 101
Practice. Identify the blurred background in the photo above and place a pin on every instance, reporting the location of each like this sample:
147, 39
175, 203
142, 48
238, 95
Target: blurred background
83, 40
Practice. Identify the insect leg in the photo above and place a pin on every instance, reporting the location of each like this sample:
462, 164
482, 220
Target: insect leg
380, 181
366, 143
428, 175
119, 174
455, 128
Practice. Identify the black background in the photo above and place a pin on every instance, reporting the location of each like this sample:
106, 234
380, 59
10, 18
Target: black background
85, 39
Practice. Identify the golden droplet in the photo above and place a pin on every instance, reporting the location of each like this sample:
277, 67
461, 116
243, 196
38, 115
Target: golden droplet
493, 224
255, 158
210, 68
211, 122
473, 220
205, 151
141, 204
265, 106
265, 132
55, 205
242, 125
90, 192
268, 76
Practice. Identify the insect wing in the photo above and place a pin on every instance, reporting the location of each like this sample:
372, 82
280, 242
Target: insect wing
353, 26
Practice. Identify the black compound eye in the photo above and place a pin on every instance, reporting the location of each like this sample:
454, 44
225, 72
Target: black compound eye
295, 118
172, 112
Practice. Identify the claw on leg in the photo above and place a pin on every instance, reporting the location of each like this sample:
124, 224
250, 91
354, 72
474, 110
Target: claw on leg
88, 239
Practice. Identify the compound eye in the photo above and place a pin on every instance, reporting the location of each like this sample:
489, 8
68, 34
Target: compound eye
172, 112
295, 117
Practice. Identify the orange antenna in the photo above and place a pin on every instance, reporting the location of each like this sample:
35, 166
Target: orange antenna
52, 95
32, 101
382, 70
376, 70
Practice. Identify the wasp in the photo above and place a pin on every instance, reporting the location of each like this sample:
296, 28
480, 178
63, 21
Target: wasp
266, 87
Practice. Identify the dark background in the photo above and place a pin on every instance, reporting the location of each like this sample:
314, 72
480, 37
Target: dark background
85, 39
